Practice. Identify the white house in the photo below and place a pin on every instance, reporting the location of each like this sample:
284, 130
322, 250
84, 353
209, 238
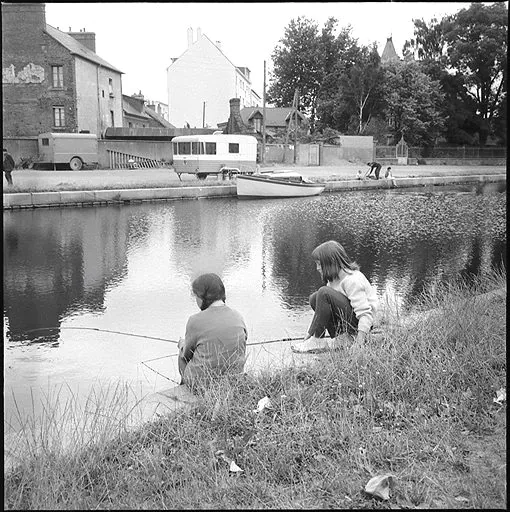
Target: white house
201, 82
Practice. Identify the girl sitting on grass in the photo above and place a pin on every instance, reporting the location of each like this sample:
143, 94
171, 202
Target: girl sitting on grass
346, 306
215, 339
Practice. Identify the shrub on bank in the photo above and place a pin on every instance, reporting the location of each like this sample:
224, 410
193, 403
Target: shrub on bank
417, 404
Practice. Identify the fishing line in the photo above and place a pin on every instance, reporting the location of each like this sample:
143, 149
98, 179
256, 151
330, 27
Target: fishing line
104, 330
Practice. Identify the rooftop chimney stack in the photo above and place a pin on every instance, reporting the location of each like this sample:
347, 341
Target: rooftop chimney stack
218, 44
87, 39
190, 37
199, 33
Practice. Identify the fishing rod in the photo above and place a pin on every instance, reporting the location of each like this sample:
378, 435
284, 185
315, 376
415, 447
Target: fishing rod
149, 337
104, 330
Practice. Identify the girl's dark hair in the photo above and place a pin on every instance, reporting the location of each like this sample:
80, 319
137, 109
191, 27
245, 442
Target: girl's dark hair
332, 258
210, 288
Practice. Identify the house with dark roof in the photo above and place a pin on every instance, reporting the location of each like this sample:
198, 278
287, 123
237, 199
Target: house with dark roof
277, 121
137, 114
53, 81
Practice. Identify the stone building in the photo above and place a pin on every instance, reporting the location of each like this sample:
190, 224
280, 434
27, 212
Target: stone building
200, 83
54, 81
138, 114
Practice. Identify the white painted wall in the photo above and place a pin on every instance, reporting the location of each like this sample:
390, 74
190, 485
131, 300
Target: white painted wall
201, 74
94, 109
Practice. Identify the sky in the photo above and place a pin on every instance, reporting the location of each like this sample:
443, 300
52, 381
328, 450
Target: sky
140, 39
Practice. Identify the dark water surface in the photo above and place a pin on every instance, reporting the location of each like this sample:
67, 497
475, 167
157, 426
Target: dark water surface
129, 269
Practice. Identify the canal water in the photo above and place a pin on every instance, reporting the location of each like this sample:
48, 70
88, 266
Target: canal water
128, 269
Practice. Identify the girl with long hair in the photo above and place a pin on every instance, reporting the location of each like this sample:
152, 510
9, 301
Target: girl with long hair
215, 339
345, 306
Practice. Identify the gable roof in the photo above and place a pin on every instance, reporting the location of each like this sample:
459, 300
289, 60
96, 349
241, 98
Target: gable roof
76, 48
237, 68
136, 107
275, 116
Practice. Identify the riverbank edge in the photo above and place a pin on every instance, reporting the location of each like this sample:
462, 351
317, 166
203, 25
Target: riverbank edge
79, 198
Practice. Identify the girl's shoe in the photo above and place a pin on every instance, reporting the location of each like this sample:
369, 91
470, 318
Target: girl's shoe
341, 342
310, 345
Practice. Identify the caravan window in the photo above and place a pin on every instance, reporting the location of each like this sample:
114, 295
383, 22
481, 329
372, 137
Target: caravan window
210, 148
233, 148
184, 148
197, 148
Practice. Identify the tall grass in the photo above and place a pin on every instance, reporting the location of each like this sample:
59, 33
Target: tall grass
417, 403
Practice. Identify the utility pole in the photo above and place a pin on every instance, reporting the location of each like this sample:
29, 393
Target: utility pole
263, 159
203, 116
296, 124
294, 104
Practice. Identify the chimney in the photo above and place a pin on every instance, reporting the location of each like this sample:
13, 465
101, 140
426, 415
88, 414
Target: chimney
18, 20
199, 33
235, 123
87, 39
138, 96
218, 44
190, 37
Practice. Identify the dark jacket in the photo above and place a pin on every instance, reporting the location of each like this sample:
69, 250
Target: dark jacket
8, 164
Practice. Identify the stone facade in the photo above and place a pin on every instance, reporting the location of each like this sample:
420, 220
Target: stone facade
30, 51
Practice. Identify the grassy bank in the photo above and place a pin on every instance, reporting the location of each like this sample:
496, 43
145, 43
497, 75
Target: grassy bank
417, 404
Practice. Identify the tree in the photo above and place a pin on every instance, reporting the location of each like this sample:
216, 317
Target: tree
477, 49
360, 87
429, 42
306, 59
413, 103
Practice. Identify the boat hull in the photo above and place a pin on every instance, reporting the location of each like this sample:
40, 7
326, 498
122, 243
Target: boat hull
254, 186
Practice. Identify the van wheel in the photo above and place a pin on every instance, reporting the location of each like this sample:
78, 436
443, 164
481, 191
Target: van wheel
75, 164
201, 175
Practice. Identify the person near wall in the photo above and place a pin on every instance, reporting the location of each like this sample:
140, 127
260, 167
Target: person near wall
8, 166
389, 176
345, 306
215, 339
376, 167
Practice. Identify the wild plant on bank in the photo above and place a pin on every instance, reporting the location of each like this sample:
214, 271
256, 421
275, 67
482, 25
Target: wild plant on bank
418, 403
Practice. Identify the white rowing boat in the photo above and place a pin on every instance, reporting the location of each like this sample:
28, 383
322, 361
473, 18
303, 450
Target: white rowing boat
277, 184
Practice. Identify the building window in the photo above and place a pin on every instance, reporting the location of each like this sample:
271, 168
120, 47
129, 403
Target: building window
197, 148
45, 142
58, 76
210, 148
58, 116
257, 124
233, 148
102, 92
112, 117
176, 149
110, 87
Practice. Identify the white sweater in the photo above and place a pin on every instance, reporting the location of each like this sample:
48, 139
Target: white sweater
362, 296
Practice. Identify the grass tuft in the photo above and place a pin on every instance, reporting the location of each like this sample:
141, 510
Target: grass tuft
417, 404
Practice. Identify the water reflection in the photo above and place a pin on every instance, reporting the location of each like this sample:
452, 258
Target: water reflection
129, 268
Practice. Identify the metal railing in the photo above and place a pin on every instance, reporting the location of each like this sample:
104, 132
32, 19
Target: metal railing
458, 152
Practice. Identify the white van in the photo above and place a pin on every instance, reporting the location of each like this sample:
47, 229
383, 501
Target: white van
74, 149
214, 154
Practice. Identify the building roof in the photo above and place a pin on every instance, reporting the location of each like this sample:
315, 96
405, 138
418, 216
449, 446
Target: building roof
76, 48
158, 117
136, 107
275, 116
389, 54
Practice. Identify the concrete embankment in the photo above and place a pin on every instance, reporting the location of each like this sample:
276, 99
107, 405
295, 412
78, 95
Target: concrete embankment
123, 196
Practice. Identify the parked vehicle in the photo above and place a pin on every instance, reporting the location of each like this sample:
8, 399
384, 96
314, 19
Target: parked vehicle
214, 154
74, 149
277, 184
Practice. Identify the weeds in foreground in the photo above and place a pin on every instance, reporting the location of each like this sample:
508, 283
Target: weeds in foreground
418, 404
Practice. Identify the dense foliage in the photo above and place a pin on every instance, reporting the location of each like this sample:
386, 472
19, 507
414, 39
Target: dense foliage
449, 87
